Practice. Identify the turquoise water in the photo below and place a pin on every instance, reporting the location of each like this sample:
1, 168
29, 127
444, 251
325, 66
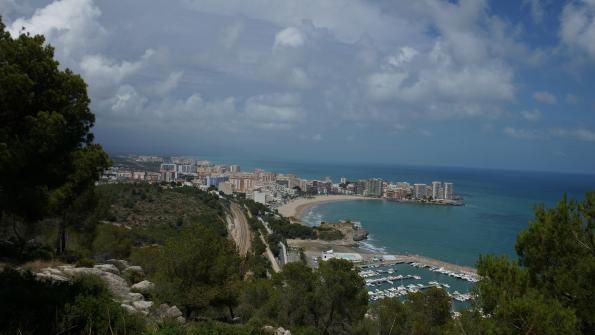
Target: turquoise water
499, 205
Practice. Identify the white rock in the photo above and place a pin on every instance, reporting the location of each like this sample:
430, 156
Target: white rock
132, 296
50, 277
181, 319
108, 268
128, 308
134, 268
142, 305
53, 271
116, 284
143, 286
173, 312
119, 263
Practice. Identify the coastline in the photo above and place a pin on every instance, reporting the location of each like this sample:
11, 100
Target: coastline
295, 209
314, 248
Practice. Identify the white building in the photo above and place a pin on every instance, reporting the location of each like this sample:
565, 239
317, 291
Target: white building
260, 197
419, 190
448, 191
436, 188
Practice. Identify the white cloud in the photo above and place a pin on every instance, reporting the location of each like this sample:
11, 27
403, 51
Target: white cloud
523, 134
128, 102
533, 115
170, 83
405, 55
545, 97
577, 26
101, 71
289, 37
70, 25
581, 134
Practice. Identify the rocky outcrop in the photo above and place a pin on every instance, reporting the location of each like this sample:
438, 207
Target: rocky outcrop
108, 268
111, 273
360, 234
164, 312
144, 287
276, 331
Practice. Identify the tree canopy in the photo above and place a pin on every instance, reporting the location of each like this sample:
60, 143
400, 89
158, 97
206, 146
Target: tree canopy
47, 154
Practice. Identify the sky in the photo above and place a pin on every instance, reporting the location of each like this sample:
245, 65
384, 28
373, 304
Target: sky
471, 83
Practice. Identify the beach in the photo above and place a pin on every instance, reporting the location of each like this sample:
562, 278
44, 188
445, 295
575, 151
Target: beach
314, 248
295, 208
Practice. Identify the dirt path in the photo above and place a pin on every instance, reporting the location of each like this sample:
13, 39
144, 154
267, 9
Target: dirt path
240, 231
272, 258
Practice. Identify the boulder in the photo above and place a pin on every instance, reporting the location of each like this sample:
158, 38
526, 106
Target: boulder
173, 312
128, 308
134, 268
132, 296
119, 263
51, 277
116, 284
181, 319
142, 305
143, 286
360, 235
108, 268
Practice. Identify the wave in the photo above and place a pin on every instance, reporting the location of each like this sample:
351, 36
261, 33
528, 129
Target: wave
312, 218
369, 246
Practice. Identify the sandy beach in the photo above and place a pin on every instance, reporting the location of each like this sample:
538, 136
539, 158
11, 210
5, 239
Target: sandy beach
295, 208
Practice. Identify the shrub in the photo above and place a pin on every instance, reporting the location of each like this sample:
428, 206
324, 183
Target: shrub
85, 262
29, 306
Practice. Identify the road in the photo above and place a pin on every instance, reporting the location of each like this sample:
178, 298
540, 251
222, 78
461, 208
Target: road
240, 231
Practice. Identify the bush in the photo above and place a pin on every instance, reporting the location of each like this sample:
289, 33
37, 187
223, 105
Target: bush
219, 328
85, 263
29, 306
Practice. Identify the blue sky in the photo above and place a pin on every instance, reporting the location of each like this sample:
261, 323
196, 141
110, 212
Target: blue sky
494, 84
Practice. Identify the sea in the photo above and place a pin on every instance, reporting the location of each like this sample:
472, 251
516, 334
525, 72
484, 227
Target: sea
499, 204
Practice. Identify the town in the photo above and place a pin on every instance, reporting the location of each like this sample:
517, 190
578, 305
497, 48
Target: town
270, 188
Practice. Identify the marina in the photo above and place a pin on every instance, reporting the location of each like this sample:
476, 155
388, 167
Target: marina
397, 279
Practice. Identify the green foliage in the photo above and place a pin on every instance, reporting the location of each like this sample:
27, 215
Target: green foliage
330, 300
112, 242
329, 233
29, 306
421, 313
558, 251
198, 269
283, 227
273, 241
85, 262
549, 290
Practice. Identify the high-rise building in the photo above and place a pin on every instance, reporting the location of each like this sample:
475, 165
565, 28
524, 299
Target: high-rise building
215, 180
419, 191
448, 191
343, 180
234, 168
374, 187
186, 168
436, 190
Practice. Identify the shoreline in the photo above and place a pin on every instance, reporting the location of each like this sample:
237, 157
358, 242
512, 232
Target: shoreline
314, 248
295, 209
